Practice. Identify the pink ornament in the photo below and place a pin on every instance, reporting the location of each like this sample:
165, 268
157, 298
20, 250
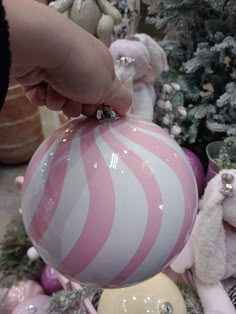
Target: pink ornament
3, 298
32, 305
109, 204
22, 291
197, 169
49, 280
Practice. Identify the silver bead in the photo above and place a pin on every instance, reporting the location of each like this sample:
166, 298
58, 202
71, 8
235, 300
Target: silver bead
166, 308
125, 60
32, 309
227, 180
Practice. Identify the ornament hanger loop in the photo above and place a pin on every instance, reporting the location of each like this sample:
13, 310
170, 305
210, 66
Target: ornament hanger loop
106, 114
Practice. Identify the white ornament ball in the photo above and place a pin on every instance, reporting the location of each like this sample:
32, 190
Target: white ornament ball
176, 130
32, 254
168, 106
176, 86
182, 112
166, 120
161, 104
167, 89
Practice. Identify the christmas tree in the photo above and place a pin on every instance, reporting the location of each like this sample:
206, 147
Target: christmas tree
14, 262
200, 44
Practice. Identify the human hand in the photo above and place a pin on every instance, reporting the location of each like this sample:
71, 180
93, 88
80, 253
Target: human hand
61, 65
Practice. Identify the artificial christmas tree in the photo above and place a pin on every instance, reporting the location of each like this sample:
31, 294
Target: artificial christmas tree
201, 48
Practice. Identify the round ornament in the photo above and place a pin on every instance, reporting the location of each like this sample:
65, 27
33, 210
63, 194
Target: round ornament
32, 254
197, 169
109, 204
49, 280
32, 305
22, 291
158, 295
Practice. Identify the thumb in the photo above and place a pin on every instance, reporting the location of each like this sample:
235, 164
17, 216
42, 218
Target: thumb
120, 98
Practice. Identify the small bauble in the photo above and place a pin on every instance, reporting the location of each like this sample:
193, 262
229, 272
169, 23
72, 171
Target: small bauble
158, 295
32, 254
22, 291
197, 169
109, 204
49, 280
33, 305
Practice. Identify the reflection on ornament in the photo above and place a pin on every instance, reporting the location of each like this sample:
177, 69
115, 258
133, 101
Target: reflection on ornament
75, 197
32, 309
158, 295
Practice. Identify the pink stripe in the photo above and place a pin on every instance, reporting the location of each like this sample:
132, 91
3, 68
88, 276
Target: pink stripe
101, 211
180, 243
53, 188
154, 200
187, 185
42, 150
164, 152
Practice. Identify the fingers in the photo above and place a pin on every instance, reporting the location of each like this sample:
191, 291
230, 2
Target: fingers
89, 110
44, 95
120, 99
36, 95
72, 109
54, 100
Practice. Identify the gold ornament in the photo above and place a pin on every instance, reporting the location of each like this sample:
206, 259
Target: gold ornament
158, 295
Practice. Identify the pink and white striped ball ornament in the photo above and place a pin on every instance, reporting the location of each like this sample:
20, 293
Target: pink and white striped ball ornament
109, 204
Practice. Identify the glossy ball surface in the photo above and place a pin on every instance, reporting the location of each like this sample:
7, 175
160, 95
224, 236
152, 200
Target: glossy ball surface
49, 280
109, 204
158, 295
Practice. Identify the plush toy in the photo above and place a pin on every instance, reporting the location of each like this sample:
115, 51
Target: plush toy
211, 250
97, 17
139, 62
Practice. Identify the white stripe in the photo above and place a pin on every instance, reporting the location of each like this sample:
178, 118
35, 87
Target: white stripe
35, 189
129, 223
72, 210
169, 141
173, 211
164, 138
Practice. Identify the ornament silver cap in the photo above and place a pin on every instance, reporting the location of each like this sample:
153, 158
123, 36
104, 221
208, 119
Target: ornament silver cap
166, 308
